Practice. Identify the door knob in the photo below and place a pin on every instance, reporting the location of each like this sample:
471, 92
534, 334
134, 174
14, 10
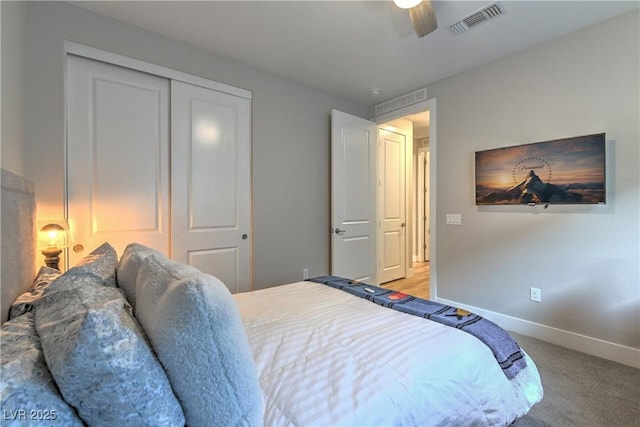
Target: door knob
339, 231
403, 225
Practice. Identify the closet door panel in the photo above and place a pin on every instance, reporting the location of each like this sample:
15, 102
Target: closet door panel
227, 262
213, 165
211, 202
117, 173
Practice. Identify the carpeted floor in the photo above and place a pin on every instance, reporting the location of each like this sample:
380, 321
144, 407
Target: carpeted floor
581, 390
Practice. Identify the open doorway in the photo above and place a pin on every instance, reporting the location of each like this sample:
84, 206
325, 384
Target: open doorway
356, 240
416, 281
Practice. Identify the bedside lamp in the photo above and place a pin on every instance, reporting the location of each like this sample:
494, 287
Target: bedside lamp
53, 237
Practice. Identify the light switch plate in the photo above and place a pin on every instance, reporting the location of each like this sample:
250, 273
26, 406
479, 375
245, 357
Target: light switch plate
454, 219
535, 294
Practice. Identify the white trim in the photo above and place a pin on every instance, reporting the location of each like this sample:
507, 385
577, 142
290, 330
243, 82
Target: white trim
78, 49
65, 161
596, 347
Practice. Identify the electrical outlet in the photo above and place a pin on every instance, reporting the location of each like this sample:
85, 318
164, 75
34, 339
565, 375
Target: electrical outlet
535, 294
305, 273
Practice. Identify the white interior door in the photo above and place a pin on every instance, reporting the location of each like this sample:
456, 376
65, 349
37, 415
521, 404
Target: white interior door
210, 186
353, 197
426, 205
422, 205
392, 205
117, 173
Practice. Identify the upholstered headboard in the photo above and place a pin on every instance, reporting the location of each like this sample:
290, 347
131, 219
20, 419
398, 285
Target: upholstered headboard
17, 252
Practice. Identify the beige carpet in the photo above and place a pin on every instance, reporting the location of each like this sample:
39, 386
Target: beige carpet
581, 390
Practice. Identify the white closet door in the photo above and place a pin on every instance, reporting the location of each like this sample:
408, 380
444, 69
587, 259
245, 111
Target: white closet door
210, 164
117, 157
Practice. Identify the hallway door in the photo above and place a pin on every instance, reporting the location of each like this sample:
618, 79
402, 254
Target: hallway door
392, 204
423, 212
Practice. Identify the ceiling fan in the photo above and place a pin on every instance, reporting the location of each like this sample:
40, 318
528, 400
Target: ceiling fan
423, 17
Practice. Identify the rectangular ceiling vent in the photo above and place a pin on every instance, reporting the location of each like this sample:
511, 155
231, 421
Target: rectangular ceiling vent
401, 101
483, 15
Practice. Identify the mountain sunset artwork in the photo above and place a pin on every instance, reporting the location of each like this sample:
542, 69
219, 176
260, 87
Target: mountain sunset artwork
563, 171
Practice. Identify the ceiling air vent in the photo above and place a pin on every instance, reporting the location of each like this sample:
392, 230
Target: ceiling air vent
478, 17
400, 102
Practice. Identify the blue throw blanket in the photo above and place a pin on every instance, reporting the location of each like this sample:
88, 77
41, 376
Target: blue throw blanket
506, 351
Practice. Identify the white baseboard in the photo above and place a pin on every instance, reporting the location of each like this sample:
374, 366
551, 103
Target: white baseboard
596, 347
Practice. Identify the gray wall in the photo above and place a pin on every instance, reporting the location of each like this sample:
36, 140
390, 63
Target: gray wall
584, 259
13, 46
290, 133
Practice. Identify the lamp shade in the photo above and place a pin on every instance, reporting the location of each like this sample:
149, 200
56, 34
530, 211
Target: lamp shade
54, 235
406, 4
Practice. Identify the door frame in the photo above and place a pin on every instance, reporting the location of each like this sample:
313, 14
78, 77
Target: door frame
429, 104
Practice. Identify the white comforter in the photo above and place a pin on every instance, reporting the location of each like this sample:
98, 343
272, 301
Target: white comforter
327, 358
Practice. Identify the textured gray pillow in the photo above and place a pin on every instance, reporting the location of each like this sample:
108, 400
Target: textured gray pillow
100, 360
29, 394
195, 328
24, 303
128, 266
100, 265
96, 269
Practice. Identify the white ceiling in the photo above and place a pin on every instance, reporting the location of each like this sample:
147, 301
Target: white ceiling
349, 47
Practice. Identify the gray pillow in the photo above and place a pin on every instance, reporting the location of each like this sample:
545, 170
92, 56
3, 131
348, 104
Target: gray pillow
128, 266
100, 360
24, 303
29, 394
96, 269
100, 265
195, 328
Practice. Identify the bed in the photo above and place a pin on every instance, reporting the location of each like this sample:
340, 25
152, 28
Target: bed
138, 339
382, 367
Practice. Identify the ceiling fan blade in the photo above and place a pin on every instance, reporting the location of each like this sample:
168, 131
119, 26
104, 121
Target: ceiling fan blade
423, 18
